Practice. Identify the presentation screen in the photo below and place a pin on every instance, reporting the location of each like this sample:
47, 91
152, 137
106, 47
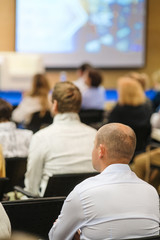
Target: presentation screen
67, 33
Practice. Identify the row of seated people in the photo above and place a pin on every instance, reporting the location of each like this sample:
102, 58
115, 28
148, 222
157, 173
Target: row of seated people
132, 109
93, 101
63, 147
37, 100
43, 143
106, 202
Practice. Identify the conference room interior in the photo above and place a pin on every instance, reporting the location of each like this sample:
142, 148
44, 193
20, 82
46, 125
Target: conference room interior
12, 90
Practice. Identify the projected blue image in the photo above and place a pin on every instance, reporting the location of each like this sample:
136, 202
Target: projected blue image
112, 25
74, 26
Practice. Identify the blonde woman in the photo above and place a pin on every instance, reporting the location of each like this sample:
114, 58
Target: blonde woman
133, 110
36, 100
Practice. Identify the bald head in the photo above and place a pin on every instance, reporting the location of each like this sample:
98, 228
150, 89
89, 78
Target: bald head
119, 140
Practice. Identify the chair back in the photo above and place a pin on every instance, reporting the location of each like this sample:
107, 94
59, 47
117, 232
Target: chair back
63, 184
89, 116
35, 216
38, 122
3, 187
15, 171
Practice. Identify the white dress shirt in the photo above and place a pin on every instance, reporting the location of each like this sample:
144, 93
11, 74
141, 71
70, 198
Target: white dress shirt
15, 142
5, 226
63, 147
115, 204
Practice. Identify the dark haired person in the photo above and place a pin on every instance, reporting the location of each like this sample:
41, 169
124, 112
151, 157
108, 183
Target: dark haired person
63, 147
15, 142
93, 97
81, 72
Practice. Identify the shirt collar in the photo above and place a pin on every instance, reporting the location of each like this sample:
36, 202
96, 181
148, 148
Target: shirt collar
7, 125
118, 167
67, 117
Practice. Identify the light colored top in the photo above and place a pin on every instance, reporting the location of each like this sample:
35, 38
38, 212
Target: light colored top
93, 98
155, 123
24, 111
155, 120
15, 142
5, 226
80, 83
115, 204
63, 147
2, 164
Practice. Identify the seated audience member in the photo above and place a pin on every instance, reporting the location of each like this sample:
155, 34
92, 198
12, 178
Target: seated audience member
15, 142
5, 226
142, 167
81, 72
93, 97
133, 110
36, 100
2, 164
64, 146
115, 198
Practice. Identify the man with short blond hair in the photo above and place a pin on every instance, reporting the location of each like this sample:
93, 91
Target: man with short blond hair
67, 97
115, 204
63, 147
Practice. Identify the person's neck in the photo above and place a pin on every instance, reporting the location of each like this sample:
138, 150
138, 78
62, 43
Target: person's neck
105, 165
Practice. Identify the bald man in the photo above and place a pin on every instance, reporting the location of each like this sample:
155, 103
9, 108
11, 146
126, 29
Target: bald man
115, 204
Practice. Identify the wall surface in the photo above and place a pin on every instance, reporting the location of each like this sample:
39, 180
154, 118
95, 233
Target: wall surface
7, 25
7, 40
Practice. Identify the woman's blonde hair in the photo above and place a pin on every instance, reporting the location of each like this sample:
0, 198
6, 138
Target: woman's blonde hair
130, 92
40, 88
142, 78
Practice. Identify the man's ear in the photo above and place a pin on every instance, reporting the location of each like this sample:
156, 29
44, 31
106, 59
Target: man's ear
55, 107
101, 151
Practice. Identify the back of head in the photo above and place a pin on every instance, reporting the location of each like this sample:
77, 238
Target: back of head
142, 78
5, 111
95, 78
130, 92
119, 140
40, 85
67, 96
84, 67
